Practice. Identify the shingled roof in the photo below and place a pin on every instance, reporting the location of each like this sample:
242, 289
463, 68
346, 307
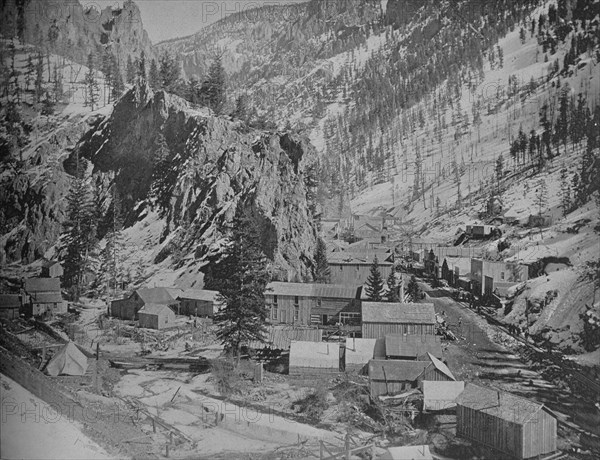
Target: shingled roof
500, 404
386, 312
336, 291
42, 285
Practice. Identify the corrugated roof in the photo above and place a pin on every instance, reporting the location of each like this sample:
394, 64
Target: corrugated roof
10, 301
199, 294
440, 366
51, 297
441, 395
498, 403
280, 337
396, 370
412, 345
385, 312
42, 285
315, 354
337, 291
153, 309
159, 296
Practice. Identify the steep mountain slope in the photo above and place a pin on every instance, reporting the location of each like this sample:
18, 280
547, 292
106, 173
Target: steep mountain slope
67, 28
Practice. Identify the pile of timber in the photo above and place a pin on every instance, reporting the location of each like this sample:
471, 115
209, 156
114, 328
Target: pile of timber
196, 365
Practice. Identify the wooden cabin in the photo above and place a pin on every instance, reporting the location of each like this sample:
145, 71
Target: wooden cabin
129, 307
358, 353
311, 358
352, 268
312, 303
10, 306
383, 318
43, 297
440, 395
412, 347
156, 317
515, 427
51, 269
198, 302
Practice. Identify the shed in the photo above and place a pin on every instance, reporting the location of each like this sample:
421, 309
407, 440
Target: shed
69, 360
359, 352
513, 426
153, 316
10, 304
382, 318
413, 347
389, 377
436, 371
314, 358
407, 453
51, 269
198, 302
441, 395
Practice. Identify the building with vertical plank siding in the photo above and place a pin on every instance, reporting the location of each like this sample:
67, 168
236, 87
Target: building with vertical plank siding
353, 268
311, 303
10, 305
198, 302
514, 426
383, 318
156, 317
129, 307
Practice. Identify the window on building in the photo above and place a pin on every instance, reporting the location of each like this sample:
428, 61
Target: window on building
349, 317
319, 302
296, 313
501, 275
274, 311
296, 300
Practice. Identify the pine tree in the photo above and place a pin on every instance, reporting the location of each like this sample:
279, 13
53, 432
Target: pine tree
499, 168
130, 71
92, 87
241, 278
79, 234
30, 72
561, 129
141, 67
374, 286
118, 86
153, 76
413, 288
565, 191
111, 271
392, 285
39, 77
213, 91
541, 195
168, 71
322, 273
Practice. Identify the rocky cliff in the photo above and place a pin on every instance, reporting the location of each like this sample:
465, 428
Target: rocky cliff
67, 28
212, 167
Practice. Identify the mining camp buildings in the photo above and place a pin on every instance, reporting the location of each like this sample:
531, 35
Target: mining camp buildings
198, 302
10, 305
513, 426
383, 318
129, 307
304, 304
51, 269
353, 268
42, 297
412, 347
153, 316
314, 358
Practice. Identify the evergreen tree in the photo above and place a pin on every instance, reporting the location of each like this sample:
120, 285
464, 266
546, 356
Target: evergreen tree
213, 91
30, 72
241, 278
241, 111
322, 272
541, 195
374, 286
92, 87
561, 129
79, 234
499, 168
565, 191
111, 271
39, 77
154, 77
168, 72
392, 285
141, 67
118, 86
413, 288
130, 71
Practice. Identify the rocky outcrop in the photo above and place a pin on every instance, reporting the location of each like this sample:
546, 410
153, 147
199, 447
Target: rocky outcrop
78, 31
214, 166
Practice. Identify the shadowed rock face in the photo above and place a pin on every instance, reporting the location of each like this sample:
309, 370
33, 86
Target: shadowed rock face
214, 166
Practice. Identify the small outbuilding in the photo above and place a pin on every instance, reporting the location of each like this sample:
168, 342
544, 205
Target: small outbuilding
199, 302
389, 377
51, 269
153, 316
10, 304
309, 358
513, 426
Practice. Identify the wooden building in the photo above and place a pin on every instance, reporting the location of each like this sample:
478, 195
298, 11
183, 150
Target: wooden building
513, 426
390, 377
129, 307
358, 353
455, 268
42, 297
353, 268
485, 273
479, 231
437, 371
280, 337
10, 306
51, 269
310, 358
412, 347
198, 302
440, 395
311, 303
153, 316
383, 318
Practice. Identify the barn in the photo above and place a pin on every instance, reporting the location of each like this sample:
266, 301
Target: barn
413, 347
383, 318
358, 353
513, 426
309, 358
152, 316
198, 302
